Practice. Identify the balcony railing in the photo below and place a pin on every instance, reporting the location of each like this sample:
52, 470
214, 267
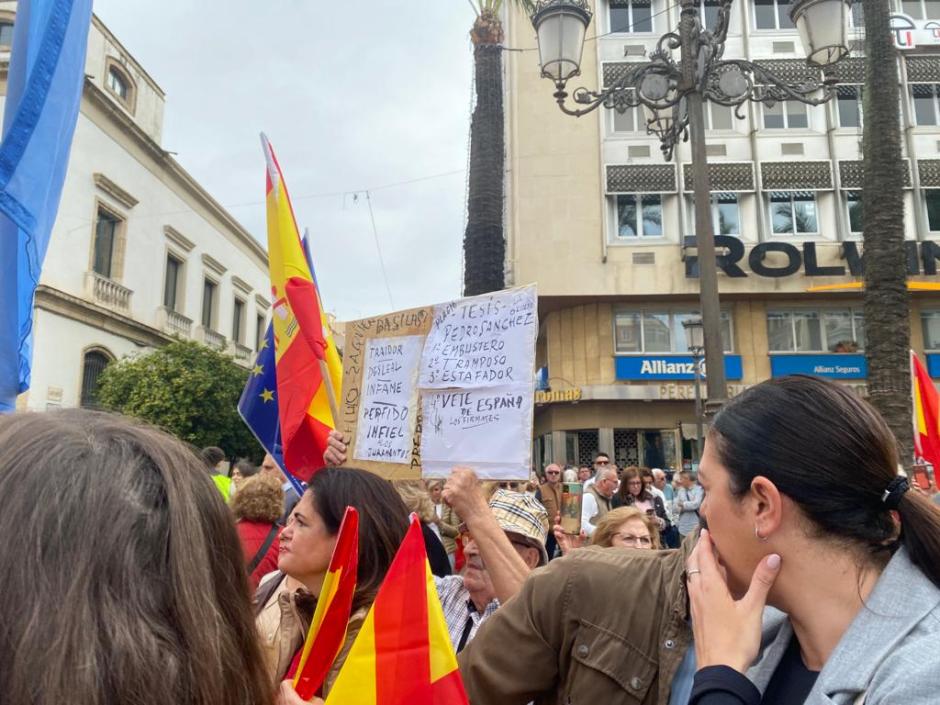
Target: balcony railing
173, 322
241, 353
107, 292
210, 338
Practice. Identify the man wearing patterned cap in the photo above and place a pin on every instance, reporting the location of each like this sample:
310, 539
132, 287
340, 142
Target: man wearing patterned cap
504, 541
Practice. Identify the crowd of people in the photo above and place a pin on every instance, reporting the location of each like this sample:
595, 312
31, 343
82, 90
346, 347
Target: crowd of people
148, 572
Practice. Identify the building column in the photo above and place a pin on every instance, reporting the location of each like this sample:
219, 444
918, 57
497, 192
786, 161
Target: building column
558, 448
605, 441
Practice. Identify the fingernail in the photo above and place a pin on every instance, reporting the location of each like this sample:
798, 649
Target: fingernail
773, 561
704, 532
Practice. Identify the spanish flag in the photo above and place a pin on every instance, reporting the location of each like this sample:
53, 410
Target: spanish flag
926, 414
299, 339
328, 628
402, 655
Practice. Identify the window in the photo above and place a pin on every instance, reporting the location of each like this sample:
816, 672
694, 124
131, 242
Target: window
105, 236
837, 330
118, 84
639, 215
933, 209
772, 14
708, 12
631, 16
849, 104
857, 18
793, 212
171, 282
93, 364
926, 105
921, 9
718, 117
6, 35
853, 202
726, 218
659, 331
785, 115
259, 331
238, 320
208, 303
627, 121
930, 320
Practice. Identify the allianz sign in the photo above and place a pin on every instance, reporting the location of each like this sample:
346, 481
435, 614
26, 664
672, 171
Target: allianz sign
669, 367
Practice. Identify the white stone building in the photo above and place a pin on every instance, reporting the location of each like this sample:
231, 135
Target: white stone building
140, 252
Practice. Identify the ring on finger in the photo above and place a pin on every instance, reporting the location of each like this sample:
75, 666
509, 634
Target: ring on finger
692, 571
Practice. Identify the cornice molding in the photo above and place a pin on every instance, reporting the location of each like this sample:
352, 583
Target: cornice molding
212, 263
262, 302
113, 190
241, 285
178, 239
77, 309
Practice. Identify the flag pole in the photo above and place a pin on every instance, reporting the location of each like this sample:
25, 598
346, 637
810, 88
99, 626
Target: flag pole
328, 383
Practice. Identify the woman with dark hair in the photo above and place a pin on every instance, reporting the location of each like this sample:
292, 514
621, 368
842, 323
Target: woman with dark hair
806, 511
633, 492
125, 582
286, 604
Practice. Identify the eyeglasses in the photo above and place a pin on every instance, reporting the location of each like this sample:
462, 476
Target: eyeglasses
637, 541
553, 472
634, 482
602, 462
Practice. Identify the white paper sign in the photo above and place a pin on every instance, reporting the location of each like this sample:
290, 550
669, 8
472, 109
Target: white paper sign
388, 405
487, 429
482, 341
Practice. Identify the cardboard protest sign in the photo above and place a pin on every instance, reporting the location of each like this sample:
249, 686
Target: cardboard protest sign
430, 388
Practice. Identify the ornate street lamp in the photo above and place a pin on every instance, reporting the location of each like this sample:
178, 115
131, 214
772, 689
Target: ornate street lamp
694, 335
672, 94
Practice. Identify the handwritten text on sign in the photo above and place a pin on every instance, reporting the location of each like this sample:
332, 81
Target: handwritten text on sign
487, 428
486, 340
388, 403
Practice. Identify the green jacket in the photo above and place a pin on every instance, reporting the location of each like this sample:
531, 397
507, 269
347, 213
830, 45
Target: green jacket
602, 625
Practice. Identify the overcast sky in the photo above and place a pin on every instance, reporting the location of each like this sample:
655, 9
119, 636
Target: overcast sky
354, 95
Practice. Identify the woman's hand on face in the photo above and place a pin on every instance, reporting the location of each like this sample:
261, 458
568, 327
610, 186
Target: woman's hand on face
727, 631
286, 695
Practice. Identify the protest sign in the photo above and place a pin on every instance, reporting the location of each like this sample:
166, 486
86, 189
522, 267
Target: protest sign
430, 388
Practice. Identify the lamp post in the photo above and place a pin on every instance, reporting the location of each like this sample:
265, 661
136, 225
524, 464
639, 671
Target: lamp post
694, 337
673, 93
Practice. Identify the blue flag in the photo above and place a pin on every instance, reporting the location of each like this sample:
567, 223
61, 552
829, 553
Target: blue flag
44, 92
258, 406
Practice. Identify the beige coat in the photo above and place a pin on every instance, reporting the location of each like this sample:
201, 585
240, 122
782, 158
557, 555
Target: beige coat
283, 622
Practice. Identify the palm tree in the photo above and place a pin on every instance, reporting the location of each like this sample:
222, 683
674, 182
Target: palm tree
887, 319
484, 245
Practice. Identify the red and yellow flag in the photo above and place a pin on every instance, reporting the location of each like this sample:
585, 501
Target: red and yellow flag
328, 629
299, 339
926, 414
403, 654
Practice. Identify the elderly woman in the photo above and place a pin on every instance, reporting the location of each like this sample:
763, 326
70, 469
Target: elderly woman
445, 522
806, 512
624, 527
257, 506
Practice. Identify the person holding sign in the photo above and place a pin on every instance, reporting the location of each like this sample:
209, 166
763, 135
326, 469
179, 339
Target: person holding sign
306, 546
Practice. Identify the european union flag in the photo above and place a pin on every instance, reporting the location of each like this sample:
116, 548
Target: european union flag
258, 405
44, 92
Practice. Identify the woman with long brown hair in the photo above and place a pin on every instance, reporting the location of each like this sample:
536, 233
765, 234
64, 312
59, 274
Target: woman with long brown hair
123, 577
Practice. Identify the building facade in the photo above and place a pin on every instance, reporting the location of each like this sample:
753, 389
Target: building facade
140, 252
605, 227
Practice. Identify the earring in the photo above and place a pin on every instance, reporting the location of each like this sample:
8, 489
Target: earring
757, 534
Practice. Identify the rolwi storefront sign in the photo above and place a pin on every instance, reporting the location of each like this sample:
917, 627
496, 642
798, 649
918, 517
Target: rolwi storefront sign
783, 259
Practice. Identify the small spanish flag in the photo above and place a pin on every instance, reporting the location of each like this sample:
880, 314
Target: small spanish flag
299, 339
402, 655
926, 414
328, 629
